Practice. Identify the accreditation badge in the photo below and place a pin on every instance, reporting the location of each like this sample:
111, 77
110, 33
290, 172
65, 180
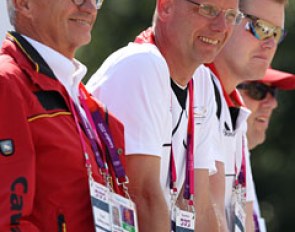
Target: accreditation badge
238, 203
182, 221
100, 201
123, 214
239, 218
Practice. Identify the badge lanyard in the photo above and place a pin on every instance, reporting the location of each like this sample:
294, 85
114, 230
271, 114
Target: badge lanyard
184, 220
97, 129
240, 179
256, 222
83, 143
104, 134
188, 193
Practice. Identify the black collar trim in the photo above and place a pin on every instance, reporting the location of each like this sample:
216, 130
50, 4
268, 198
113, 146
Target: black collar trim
32, 54
234, 113
181, 94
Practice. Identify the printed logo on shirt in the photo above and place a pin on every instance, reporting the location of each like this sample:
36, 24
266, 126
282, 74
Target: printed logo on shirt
200, 113
6, 147
18, 188
227, 131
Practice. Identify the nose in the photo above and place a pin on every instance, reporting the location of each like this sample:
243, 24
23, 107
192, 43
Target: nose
89, 6
219, 23
269, 43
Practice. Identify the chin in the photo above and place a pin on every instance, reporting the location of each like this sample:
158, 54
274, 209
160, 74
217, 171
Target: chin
83, 42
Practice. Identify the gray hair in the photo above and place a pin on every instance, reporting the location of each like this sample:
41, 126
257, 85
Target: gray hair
11, 11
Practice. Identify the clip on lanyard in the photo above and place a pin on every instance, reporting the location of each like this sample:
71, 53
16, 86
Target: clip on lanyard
188, 193
104, 134
241, 177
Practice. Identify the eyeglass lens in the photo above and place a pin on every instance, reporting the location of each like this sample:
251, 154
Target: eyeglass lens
263, 30
98, 3
232, 16
258, 91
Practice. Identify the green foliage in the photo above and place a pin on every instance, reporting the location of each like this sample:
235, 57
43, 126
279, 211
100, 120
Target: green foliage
118, 23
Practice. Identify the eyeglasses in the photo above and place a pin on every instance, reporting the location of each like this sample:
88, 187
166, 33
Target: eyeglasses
258, 91
263, 30
98, 3
232, 16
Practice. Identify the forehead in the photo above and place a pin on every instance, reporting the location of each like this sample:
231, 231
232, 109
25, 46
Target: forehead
224, 4
268, 10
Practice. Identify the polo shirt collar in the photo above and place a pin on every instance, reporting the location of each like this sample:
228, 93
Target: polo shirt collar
69, 72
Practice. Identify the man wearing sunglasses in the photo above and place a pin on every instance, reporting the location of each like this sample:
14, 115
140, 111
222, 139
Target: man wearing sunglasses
152, 96
47, 159
246, 56
261, 98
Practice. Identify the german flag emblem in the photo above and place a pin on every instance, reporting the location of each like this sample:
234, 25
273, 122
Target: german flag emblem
6, 147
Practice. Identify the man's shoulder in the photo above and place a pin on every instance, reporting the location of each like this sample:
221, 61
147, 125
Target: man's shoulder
203, 85
132, 64
136, 53
9, 69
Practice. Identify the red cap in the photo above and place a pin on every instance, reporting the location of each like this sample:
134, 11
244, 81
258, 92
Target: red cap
281, 80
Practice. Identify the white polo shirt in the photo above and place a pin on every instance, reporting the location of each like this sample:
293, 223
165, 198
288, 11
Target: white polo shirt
134, 83
231, 149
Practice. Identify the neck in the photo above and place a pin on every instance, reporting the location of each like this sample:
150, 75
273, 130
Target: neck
227, 77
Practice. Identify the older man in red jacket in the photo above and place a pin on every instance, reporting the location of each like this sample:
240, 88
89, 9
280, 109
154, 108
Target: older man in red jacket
47, 158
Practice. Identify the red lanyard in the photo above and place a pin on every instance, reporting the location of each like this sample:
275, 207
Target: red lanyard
241, 177
189, 179
149, 37
188, 193
83, 143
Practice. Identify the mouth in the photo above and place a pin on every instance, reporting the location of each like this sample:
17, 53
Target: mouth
261, 57
83, 22
208, 40
262, 119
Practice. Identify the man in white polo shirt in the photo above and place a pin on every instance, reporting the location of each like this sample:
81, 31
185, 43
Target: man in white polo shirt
135, 83
246, 56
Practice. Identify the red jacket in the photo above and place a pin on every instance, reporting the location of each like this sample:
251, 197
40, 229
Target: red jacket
43, 179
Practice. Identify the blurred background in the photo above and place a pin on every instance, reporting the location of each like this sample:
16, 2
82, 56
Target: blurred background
273, 163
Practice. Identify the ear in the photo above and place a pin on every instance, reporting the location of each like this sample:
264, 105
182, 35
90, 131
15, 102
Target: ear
164, 8
22, 6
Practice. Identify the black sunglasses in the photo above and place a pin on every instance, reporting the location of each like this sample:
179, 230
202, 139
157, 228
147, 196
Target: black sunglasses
263, 30
258, 91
